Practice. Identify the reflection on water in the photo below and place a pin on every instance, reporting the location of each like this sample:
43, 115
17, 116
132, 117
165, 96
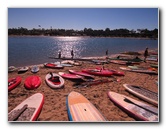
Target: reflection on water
67, 44
36, 50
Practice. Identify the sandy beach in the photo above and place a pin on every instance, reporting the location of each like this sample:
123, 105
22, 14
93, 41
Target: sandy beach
54, 108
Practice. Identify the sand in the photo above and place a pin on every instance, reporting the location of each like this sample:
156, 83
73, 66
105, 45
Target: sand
54, 108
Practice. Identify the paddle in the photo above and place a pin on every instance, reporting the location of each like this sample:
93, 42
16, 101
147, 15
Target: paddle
15, 117
150, 109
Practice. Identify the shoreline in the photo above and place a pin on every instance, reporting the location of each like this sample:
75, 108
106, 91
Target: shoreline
84, 58
54, 108
79, 36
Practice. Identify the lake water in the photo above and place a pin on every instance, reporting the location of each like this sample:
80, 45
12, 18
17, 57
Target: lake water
26, 50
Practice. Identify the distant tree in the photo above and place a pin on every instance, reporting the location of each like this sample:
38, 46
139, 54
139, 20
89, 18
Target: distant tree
122, 32
107, 32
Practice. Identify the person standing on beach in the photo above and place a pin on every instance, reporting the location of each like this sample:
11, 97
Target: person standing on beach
106, 53
145, 54
72, 54
59, 54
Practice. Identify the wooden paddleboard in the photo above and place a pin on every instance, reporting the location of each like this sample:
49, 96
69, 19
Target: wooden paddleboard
34, 105
137, 109
143, 93
81, 109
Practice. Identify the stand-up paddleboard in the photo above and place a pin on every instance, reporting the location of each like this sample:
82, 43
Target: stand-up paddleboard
143, 93
32, 82
28, 110
53, 66
35, 69
80, 73
13, 82
127, 59
91, 83
121, 62
101, 72
152, 58
134, 67
23, 69
81, 109
135, 108
148, 71
71, 62
154, 65
54, 80
99, 62
63, 64
69, 76
131, 53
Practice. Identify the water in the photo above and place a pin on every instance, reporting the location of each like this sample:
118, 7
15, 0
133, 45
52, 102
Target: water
30, 50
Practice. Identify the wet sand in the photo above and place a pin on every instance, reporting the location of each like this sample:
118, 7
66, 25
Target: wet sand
54, 108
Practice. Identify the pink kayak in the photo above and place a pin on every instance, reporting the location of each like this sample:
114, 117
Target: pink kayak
101, 72
69, 76
32, 82
80, 73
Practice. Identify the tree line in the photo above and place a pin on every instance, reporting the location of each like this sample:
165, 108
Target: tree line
142, 33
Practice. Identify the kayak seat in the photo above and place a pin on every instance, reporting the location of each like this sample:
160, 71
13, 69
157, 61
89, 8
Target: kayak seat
55, 80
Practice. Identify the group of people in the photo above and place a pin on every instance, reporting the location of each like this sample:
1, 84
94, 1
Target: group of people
72, 54
145, 54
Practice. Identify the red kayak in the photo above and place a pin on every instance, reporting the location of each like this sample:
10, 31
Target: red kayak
69, 76
80, 73
118, 73
98, 72
32, 82
13, 82
53, 66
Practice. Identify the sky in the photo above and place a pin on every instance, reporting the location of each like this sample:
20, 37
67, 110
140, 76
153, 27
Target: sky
80, 18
